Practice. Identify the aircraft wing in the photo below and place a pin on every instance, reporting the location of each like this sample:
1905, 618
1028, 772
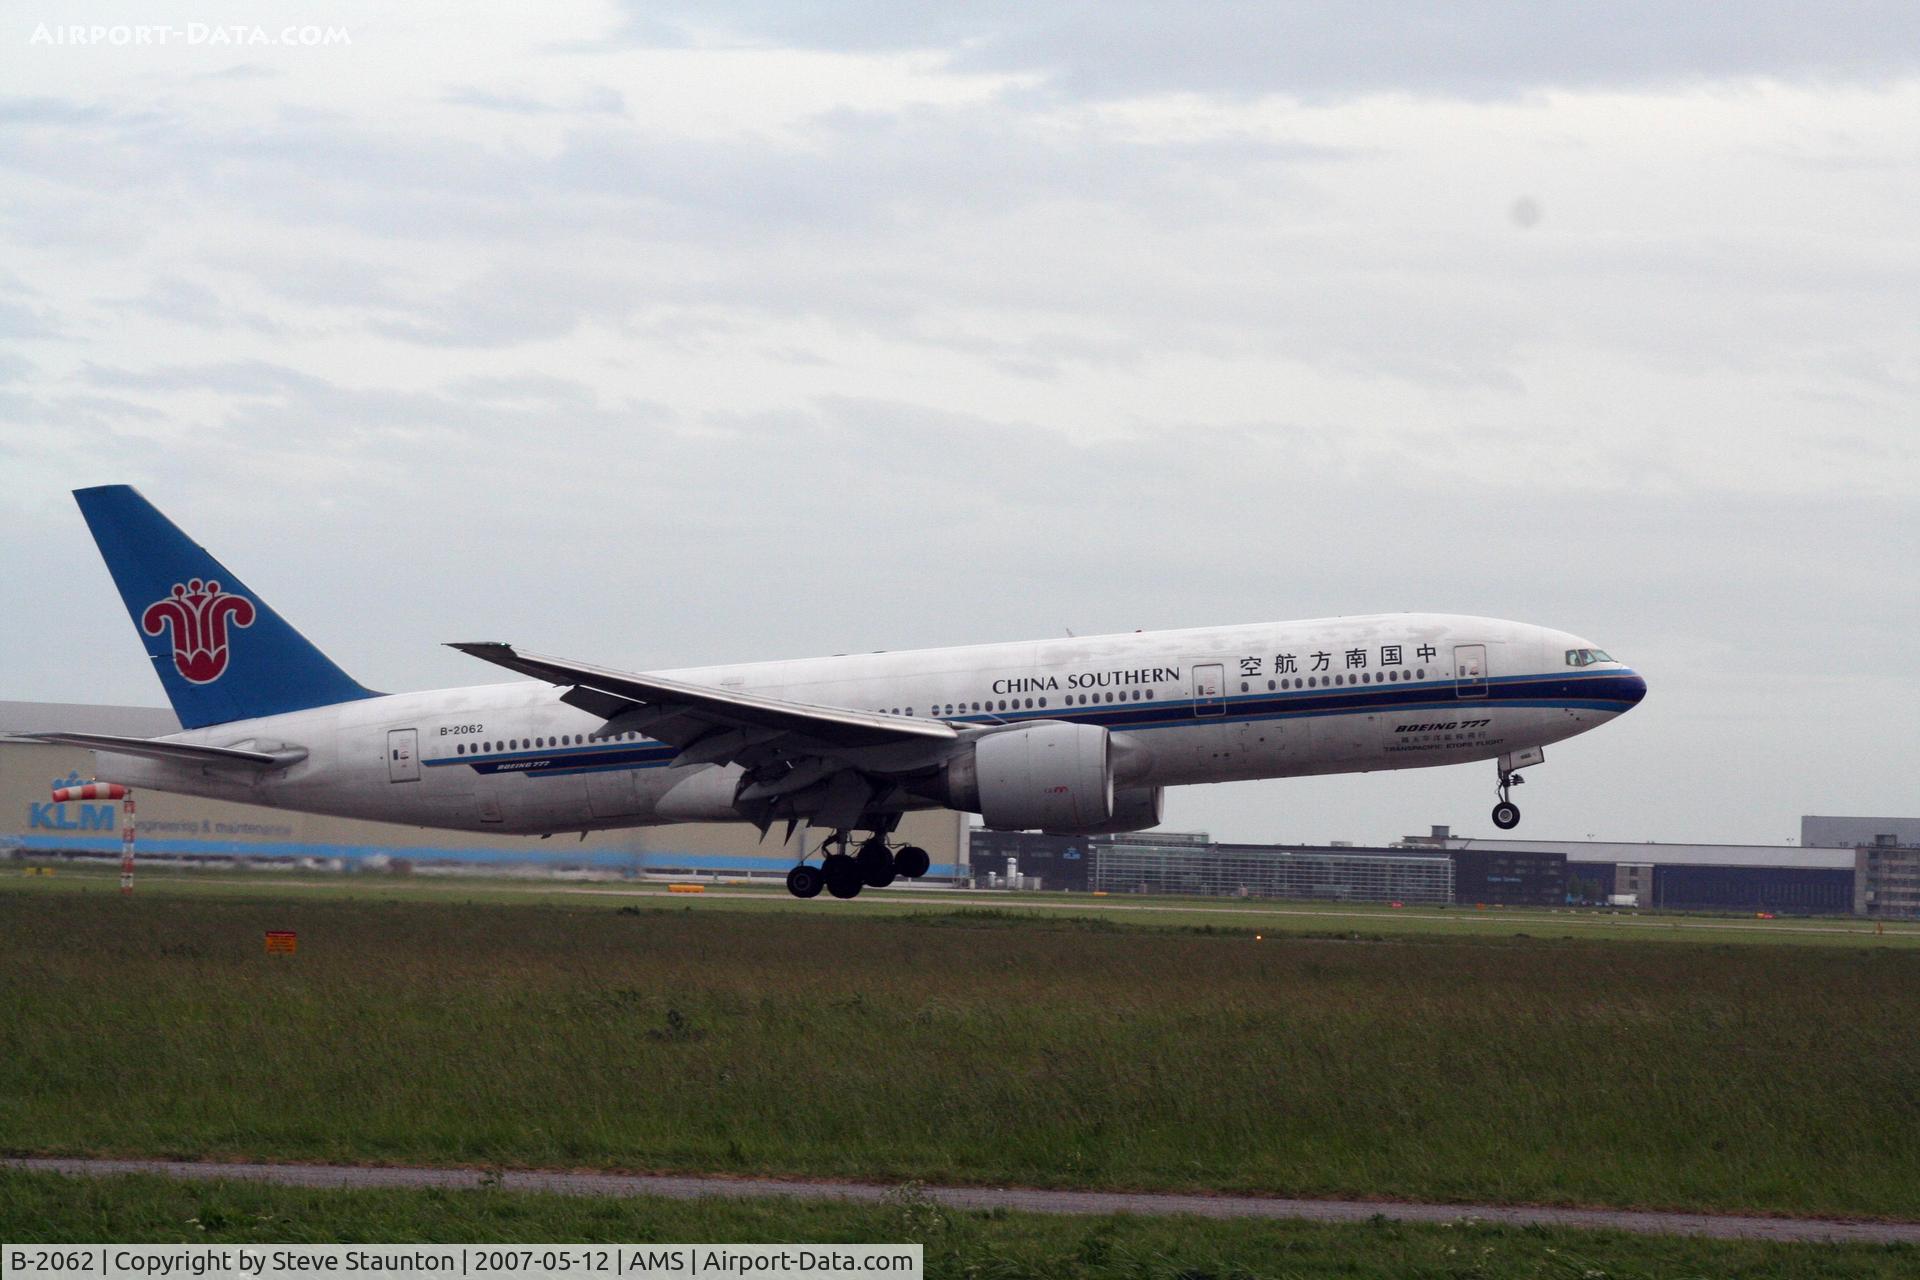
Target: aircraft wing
800, 761
708, 708
177, 752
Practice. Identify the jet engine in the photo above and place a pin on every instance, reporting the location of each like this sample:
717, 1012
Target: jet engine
1051, 777
1134, 809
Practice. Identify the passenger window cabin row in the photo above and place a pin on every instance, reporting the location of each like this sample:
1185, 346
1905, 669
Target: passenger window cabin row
538, 744
1027, 704
1341, 678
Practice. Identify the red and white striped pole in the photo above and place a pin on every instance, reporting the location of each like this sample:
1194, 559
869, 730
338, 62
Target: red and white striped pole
109, 791
126, 844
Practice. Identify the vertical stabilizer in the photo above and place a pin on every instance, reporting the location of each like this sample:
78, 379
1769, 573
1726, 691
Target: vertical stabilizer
221, 652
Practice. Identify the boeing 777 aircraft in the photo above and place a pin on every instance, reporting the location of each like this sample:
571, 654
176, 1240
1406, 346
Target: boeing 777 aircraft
1076, 735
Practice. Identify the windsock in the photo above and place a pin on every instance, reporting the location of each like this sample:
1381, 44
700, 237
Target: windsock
91, 791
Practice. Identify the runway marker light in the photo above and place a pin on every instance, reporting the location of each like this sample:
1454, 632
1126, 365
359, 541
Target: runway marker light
282, 942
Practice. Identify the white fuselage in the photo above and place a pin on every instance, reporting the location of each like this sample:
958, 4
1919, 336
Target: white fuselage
1335, 695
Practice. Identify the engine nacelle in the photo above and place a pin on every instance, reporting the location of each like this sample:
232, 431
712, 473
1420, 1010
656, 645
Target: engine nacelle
1134, 809
1042, 777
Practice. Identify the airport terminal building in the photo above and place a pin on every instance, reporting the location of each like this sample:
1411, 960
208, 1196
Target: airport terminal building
1879, 877
1871, 869
1172, 862
1672, 877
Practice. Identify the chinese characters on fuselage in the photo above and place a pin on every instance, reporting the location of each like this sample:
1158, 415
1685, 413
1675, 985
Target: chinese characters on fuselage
1286, 664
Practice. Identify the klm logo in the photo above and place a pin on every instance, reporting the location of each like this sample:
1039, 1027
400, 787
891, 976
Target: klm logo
58, 817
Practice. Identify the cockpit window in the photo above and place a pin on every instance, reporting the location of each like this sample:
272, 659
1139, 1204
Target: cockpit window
1587, 657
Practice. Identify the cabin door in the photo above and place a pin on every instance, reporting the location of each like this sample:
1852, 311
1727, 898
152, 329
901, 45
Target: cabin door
1470, 670
1209, 689
403, 755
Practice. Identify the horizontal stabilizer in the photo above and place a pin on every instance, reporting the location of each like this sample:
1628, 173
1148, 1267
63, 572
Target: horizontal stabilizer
179, 752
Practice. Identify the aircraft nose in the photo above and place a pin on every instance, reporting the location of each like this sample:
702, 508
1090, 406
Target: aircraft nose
1633, 687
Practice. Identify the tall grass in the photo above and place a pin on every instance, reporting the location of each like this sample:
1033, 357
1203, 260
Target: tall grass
1746, 1077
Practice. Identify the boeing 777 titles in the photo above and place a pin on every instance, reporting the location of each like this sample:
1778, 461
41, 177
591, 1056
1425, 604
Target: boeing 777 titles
1075, 735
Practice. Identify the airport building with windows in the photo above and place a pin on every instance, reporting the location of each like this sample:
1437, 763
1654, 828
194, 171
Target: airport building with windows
1191, 863
1787, 879
1142, 864
1878, 878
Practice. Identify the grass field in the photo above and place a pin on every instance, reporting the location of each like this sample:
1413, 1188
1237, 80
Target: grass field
1318, 918
958, 1046
981, 1246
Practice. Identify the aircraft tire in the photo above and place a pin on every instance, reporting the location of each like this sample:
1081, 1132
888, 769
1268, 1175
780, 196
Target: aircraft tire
842, 875
875, 861
911, 862
805, 881
1506, 815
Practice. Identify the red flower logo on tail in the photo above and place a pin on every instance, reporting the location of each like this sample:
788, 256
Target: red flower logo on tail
199, 614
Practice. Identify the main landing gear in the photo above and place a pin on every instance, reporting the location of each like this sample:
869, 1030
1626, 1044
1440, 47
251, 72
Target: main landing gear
1506, 814
874, 864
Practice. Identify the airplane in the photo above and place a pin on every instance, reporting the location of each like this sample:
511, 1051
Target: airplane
1078, 735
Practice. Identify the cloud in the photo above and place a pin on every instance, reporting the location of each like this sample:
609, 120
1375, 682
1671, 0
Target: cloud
1480, 48
235, 378
48, 112
190, 303
596, 101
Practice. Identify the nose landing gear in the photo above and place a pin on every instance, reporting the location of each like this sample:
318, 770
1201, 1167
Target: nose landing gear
1506, 814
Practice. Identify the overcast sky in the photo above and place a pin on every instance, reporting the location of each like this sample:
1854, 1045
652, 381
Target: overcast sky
665, 334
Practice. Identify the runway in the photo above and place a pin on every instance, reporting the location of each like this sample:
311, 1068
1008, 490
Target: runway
1025, 1200
1252, 910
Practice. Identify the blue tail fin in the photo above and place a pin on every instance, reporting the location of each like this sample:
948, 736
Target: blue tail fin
221, 652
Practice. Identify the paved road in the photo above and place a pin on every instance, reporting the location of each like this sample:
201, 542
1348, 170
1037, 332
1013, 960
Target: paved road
1029, 1201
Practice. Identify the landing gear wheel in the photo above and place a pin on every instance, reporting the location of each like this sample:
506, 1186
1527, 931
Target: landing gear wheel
911, 862
1506, 815
842, 875
875, 861
805, 881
